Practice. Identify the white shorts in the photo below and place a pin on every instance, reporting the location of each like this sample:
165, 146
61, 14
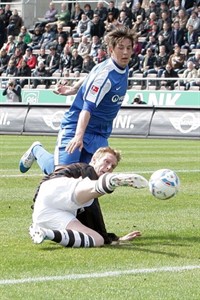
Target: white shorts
55, 204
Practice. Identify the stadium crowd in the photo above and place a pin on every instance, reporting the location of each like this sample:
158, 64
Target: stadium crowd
69, 40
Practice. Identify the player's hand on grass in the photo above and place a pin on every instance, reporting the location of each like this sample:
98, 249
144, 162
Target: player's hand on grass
130, 236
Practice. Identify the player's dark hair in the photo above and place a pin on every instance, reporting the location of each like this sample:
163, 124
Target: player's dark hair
114, 36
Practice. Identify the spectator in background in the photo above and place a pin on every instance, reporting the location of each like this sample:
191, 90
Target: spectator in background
138, 10
83, 27
59, 44
195, 59
7, 14
47, 38
189, 76
152, 20
182, 18
97, 26
88, 11
26, 35
161, 42
41, 72
52, 61
17, 56
9, 46
49, 16
12, 91
42, 56
194, 21
126, 9
30, 58
15, 24
137, 46
20, 43
110, 23
165, 17
95, 45
65, 59
76, 16
151, 43
177, 35
148, 63
153, 8
123, 20
112, 9
2, 28
189, 4
177, 59
138, 100
166, 31
63, 17
70, 43
191, 39
76, 61
139, 27
36, 37
170, 73
160, 64
11, 70
134, 66
23, 71
84, 46
101, 10
4, 59
88, 64
60, 31
101, 56
175, 9
163, 7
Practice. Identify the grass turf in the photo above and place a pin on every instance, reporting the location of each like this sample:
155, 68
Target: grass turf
170, 231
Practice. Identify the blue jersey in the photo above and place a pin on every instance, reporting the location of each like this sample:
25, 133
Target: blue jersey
102, 94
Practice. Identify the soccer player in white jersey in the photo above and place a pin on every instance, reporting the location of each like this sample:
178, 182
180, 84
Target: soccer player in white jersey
88, 123
61, 194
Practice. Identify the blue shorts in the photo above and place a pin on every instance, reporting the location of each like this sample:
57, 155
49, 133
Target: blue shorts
92, 142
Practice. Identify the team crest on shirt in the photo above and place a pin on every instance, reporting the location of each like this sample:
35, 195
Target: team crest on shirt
94, 89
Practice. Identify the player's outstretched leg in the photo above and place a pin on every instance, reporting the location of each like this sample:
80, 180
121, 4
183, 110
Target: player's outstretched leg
37, 152
108, 182
66, 238
28, 158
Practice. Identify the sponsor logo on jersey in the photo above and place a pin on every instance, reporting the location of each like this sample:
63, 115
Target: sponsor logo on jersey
94, 89
118, 99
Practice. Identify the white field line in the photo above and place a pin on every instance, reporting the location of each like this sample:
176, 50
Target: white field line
135, 171
98, 275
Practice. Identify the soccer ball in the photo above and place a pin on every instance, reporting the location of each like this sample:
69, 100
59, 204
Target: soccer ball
164, 184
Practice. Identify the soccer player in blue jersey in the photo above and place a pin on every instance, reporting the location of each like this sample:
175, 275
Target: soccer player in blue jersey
88, 123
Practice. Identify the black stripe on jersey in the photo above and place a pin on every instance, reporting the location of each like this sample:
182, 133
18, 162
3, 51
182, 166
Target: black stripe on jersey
71, 238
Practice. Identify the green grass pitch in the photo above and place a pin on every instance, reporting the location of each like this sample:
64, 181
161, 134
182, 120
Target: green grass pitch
164, 263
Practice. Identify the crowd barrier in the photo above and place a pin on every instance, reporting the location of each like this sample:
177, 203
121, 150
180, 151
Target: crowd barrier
132, 121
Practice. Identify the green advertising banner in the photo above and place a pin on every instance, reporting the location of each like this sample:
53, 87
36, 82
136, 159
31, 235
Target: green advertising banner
153, 98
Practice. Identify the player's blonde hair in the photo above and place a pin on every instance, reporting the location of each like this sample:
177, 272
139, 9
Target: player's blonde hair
101, 152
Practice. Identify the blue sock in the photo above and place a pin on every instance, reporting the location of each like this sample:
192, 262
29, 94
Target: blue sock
44, 159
